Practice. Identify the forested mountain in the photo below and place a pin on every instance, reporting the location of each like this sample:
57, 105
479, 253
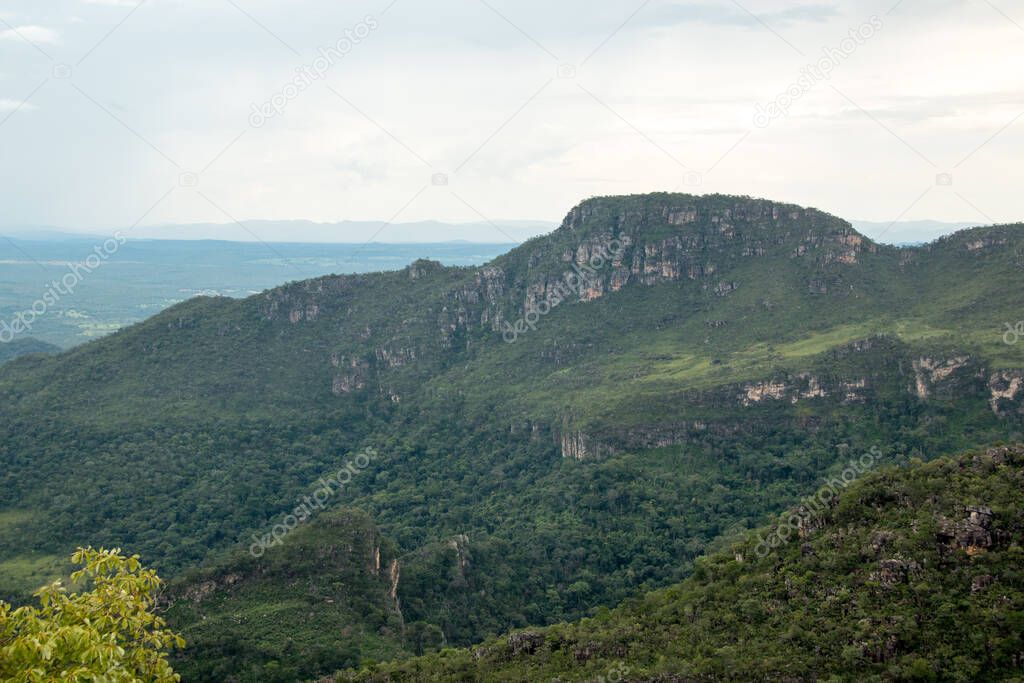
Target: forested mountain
910, 574
556, 431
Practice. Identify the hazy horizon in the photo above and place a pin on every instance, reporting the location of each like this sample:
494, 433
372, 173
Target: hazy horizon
319, 110
502, 232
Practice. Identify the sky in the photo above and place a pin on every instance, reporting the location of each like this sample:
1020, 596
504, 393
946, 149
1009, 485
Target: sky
119, 113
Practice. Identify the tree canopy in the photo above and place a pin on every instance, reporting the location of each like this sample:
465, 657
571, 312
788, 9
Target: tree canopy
107, 633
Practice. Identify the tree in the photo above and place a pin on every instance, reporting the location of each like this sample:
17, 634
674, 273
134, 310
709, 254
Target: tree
108, 633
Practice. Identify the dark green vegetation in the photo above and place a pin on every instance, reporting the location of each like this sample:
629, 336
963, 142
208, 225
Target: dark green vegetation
732, 354
912, 574
22, 347
321, 601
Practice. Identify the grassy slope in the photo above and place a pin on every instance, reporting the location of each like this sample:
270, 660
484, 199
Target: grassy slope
877, 589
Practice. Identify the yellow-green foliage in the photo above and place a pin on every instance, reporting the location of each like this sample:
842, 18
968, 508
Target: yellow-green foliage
108, 633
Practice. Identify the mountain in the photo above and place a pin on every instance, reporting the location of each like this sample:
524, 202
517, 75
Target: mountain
48, 233
24, 346
358, 232
565, 427
908, 574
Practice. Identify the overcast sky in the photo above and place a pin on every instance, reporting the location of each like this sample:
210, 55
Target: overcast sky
108, 108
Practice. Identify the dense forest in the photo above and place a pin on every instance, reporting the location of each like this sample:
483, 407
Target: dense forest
911, 574
713, 361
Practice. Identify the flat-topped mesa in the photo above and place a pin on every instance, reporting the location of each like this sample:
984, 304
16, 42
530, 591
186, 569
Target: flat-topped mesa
729, 215
604, 245
648, 239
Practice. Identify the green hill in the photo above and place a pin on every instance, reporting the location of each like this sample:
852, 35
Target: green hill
24, 346
323, 600
909, 574
685, 367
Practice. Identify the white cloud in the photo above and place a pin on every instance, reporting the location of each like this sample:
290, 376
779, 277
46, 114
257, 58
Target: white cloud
12, 105
450, 79
34, 34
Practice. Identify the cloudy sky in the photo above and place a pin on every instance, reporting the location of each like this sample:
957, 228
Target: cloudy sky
115, 112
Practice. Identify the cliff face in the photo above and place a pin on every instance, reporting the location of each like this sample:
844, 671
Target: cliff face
608, 244
666, 238
730, 259
604, 246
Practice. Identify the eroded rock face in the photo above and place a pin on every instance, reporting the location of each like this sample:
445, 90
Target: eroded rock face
853, 392
985, 243
578, 446
980, 583
201, 591
395, 357
1006, 387
394, 575
616, 244
460, 544
800, 387
346, 384
422, 268
930, 371
525, 643
755, 393
973, 533
353, 375
895, 571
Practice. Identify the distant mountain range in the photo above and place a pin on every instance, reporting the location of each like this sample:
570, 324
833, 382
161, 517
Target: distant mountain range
145, 276
907, 232
344, 232
483, 232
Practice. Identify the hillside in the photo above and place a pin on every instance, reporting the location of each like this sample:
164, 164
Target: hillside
24, 346
696, 365
323, 600
149, 275
911, 573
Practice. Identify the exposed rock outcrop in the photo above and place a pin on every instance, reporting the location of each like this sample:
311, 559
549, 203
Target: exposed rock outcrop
929, 371
802, 386
973, 533
895, 571
1006, 387
578, 446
